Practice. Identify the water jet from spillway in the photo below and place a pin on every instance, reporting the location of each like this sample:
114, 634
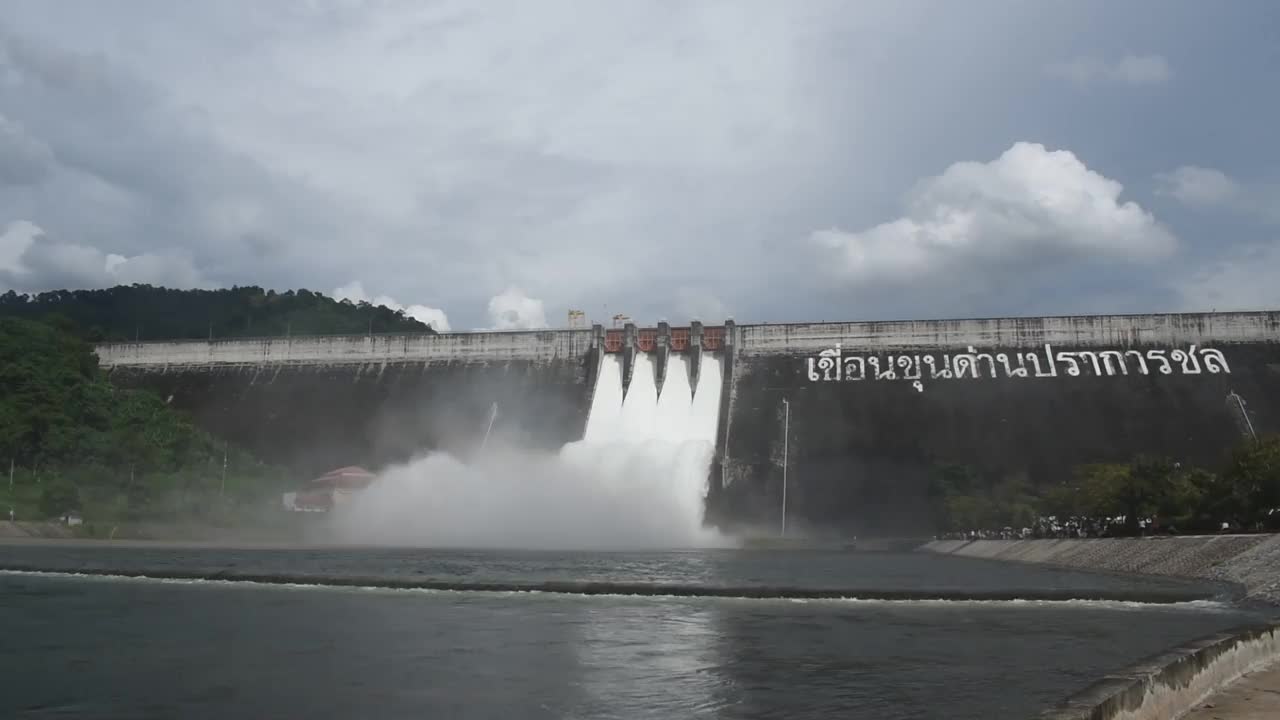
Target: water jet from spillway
636, 480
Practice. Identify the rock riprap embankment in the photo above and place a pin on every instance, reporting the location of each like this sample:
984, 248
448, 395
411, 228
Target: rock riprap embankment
1249, 561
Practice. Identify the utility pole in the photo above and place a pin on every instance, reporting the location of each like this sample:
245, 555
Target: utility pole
493, 415
1237, 406
786, 441
222, 490
10, 475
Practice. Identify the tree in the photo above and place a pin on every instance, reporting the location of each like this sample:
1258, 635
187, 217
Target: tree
58, 496
155, 313
109, 445
1253, 479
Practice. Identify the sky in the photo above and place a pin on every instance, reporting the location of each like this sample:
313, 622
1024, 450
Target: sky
496, 164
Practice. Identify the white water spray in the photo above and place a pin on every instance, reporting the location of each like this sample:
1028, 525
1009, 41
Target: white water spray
637, 479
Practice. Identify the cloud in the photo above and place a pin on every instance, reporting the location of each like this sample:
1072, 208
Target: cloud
658, 159
1210, 189
435, 317
1131, 70
1028, 207
700, 304
1244, 280
513, 310
16, 239
24, 160
31, 261
1197, 186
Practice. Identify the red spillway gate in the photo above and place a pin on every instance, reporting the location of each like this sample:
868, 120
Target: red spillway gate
647, 339
713, 338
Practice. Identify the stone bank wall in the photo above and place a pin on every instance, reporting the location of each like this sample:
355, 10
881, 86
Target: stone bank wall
1250, 561
1174, 682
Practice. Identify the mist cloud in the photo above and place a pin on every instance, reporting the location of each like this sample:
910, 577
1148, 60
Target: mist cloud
513, 310
612, 496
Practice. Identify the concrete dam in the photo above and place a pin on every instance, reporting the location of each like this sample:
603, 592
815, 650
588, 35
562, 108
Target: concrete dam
871, 411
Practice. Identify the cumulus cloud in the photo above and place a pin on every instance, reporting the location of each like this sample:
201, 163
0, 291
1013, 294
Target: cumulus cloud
16, 239
513, 310
1027, 207
31, 261
1126, 70
596, 156
435, 317
1198, 186
1211, 189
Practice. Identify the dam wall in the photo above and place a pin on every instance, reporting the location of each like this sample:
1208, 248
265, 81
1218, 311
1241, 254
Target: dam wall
872, 410
350, 349
314, 403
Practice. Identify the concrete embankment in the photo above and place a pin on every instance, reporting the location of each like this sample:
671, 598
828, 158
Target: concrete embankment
1251, 562
1173, 683
52, 530
38, 530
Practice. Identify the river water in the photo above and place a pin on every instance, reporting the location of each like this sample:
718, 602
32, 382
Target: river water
80, 639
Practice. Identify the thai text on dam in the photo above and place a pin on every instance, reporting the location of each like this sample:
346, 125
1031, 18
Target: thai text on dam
834, 365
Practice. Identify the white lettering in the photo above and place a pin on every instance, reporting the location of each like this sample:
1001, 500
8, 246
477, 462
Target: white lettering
839, 365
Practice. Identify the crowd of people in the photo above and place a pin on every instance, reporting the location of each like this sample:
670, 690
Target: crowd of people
1052, 527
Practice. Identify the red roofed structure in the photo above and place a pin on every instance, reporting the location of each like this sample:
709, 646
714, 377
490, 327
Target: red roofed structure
345, 478
329, 490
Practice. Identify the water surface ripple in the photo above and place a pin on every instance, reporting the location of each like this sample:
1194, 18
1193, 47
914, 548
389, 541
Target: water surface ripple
386, 633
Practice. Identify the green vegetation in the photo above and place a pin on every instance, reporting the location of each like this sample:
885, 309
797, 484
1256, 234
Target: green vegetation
1150, 494
71, 441
153, 313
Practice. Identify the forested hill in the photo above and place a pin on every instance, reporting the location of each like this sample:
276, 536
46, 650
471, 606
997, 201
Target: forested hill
144, 312
69, 439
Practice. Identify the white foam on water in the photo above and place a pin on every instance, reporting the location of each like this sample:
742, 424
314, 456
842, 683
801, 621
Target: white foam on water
1199, 606
637, 479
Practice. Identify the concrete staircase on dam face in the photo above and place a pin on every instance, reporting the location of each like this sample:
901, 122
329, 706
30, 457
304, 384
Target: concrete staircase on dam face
875, 407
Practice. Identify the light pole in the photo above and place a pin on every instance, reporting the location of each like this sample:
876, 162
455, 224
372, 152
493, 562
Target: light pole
493, 415
1236, 403
786, 440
